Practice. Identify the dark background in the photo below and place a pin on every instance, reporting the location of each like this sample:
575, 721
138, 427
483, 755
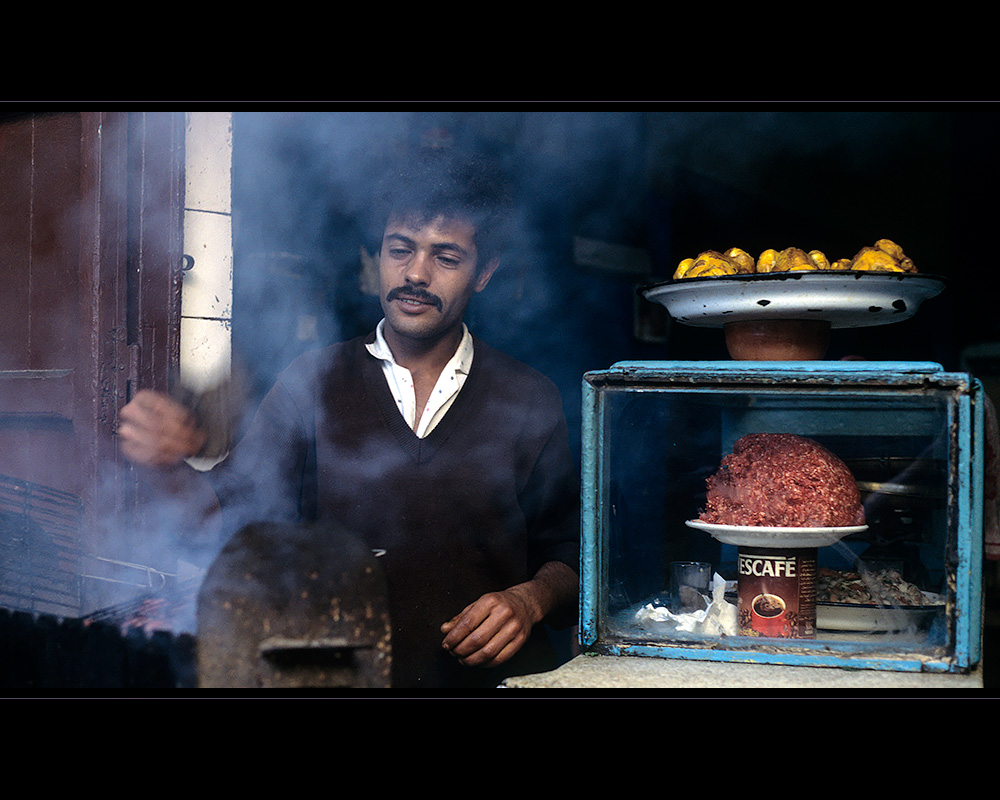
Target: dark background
666, 182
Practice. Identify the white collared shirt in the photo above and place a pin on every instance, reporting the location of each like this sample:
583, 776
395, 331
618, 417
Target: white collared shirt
401, 382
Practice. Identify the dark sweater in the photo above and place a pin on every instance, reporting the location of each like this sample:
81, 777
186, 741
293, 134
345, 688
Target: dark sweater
478, 505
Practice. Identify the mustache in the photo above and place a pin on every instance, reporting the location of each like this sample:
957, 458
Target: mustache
415, 293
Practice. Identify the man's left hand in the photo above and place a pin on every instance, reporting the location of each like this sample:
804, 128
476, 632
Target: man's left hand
491, 630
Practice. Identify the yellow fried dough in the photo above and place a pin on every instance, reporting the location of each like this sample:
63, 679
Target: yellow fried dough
885, 256
819, 259
712, 263
768, 261
792, 258
743, 260
683, 267
890, 247
872, 259
787, 260
894, 250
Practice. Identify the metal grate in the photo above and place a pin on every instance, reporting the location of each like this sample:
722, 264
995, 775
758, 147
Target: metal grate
39, 548
168, 604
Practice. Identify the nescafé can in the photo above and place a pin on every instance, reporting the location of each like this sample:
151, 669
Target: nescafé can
776, 592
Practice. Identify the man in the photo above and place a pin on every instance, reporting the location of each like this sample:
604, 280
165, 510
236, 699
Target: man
434, 448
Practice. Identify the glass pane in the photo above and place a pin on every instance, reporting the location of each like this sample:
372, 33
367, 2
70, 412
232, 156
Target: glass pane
659, 448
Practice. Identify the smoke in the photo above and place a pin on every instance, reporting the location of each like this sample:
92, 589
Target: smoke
302, 180
302, 183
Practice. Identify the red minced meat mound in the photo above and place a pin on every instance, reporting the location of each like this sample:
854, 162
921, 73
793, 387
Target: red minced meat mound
782, 480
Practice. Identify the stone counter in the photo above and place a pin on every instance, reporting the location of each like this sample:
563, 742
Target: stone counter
637, 672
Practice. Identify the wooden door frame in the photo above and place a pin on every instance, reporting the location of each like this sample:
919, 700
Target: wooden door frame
131, 266
109, 223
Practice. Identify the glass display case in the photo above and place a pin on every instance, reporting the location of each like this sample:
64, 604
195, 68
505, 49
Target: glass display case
902, 591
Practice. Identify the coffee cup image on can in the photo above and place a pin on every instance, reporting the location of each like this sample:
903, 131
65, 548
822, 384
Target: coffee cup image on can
767, 614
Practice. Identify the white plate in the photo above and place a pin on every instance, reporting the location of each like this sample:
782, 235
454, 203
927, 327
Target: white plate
774, 537
844, 299
875, 619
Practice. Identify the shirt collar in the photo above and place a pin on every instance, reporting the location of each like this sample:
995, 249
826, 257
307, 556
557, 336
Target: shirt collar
462, 360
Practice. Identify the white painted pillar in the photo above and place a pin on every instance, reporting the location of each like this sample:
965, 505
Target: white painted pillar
207, 292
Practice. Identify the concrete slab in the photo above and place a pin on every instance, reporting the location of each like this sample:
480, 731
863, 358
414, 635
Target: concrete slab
636, 672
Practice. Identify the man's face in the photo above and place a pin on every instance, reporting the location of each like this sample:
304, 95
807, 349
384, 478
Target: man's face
428, 273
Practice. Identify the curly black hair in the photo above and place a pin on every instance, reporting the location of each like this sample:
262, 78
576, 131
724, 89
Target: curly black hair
451, 184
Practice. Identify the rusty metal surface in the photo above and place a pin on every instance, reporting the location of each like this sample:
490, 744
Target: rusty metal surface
287, 606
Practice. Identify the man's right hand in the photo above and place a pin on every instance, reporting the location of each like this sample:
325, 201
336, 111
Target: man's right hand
157, 431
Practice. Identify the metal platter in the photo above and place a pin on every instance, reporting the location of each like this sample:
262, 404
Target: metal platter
774, 537
844, 299
876, 619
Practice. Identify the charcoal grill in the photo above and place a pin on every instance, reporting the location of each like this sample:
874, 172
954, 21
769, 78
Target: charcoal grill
47, 642
39, 548
281, 607
288, 606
